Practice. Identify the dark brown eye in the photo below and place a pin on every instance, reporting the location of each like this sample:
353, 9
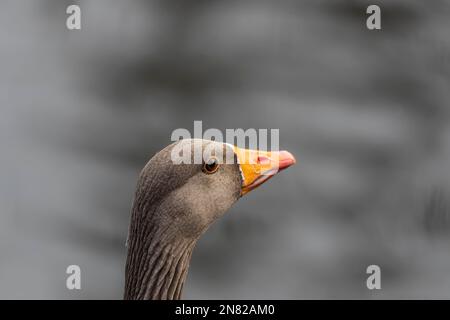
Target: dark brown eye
211, 166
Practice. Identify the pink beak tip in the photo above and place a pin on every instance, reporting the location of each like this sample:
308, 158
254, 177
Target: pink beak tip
286, 159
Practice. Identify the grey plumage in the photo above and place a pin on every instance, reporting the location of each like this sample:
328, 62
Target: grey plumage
173, 206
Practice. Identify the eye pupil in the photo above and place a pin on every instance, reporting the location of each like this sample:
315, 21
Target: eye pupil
211, 166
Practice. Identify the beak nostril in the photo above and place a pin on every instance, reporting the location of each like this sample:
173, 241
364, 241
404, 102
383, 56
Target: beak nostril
263, 160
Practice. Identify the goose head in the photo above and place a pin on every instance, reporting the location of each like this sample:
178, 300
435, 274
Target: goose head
177, 199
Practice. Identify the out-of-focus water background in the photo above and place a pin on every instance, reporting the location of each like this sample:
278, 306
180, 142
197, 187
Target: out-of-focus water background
366, 113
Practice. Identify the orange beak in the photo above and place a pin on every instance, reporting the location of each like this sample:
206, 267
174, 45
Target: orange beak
259, 166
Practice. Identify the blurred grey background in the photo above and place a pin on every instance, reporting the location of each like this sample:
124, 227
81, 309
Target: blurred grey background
366, 113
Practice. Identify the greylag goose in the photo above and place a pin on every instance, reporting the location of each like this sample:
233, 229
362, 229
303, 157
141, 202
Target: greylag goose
174, 204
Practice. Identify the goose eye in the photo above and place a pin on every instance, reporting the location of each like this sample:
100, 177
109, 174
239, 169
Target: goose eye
211, 166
